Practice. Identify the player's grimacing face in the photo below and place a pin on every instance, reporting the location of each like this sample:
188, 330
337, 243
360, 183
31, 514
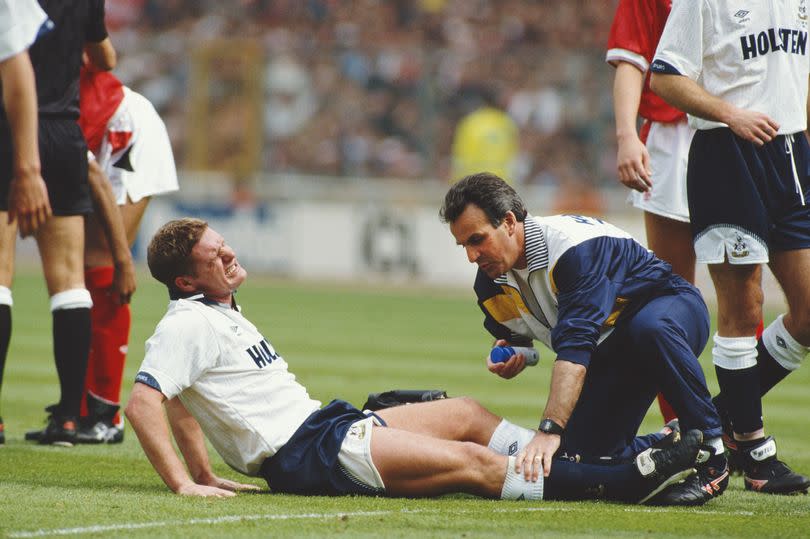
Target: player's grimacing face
217, 272
485, 245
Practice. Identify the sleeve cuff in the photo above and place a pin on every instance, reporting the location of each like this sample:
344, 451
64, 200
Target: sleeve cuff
575, 355
664, 68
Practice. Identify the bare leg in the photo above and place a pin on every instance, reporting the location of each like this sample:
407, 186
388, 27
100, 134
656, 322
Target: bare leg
61, 248
461, 419
8, 239
739, 298
7, 244
413, 464
739, 311
671, 241
97, 252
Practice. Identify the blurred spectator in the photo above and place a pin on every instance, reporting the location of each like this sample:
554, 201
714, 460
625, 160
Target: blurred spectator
377, 87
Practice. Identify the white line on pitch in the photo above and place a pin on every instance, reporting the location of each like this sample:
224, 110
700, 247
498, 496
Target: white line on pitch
311, 516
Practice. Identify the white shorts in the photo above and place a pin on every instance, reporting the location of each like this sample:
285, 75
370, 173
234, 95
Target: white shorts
668, 146
149, 153
355, 454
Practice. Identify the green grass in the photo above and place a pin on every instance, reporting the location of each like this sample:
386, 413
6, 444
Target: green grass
341, 341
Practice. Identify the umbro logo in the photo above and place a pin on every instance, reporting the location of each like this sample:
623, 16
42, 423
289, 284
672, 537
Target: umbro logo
780, 342
741, 13
513, 447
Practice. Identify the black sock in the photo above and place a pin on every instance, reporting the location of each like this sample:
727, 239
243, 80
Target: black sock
71, 347
741, 397
5, 338
577, 481
770, 372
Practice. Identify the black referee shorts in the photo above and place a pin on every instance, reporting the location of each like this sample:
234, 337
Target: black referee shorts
63, 154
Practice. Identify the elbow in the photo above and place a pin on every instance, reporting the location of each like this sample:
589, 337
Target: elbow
131, 411
134, 410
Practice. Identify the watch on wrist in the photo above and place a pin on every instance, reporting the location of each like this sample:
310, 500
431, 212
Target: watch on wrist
549, 426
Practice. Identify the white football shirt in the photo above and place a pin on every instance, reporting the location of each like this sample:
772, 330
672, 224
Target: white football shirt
752, 54
20, 21
230, 379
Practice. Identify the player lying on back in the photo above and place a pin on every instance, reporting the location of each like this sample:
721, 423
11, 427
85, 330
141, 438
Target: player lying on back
217, 376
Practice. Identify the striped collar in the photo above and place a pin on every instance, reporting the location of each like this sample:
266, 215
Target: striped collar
534, 246
211, 303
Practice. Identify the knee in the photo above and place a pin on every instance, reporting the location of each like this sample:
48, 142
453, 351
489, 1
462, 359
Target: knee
468, 414
741, 311
468, 406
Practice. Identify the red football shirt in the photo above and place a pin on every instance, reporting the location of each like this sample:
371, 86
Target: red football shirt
634, 36
100, 93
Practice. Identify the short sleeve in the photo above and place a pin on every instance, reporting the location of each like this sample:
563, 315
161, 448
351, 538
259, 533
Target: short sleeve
96, 30
181, 350
680, 49
20, 22
633, 34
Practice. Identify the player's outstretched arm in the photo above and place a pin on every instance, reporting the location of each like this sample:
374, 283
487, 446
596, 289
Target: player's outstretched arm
145, 413
687, 95
191, 441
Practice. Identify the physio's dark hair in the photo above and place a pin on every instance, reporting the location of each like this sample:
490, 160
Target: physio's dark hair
169, 252
487, 191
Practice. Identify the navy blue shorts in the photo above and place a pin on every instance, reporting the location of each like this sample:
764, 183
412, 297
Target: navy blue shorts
63, 157
745, 200
308, 462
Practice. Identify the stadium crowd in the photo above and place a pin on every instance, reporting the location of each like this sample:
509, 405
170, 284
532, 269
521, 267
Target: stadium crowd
377, 88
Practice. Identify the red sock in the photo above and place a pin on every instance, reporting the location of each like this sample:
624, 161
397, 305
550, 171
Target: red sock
110, 336
666, 410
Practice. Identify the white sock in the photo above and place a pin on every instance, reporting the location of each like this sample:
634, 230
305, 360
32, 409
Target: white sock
515, 487
784, 349
508, 438
716, 444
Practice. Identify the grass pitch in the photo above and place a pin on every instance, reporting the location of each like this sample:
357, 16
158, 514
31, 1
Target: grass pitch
345, 342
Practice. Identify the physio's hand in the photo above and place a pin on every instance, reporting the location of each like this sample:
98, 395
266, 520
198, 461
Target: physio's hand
753, 126
193, 489
509, 368
633, 163
537, 455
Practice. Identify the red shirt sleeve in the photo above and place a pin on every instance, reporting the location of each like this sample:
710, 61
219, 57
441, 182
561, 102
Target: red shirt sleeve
100, 93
